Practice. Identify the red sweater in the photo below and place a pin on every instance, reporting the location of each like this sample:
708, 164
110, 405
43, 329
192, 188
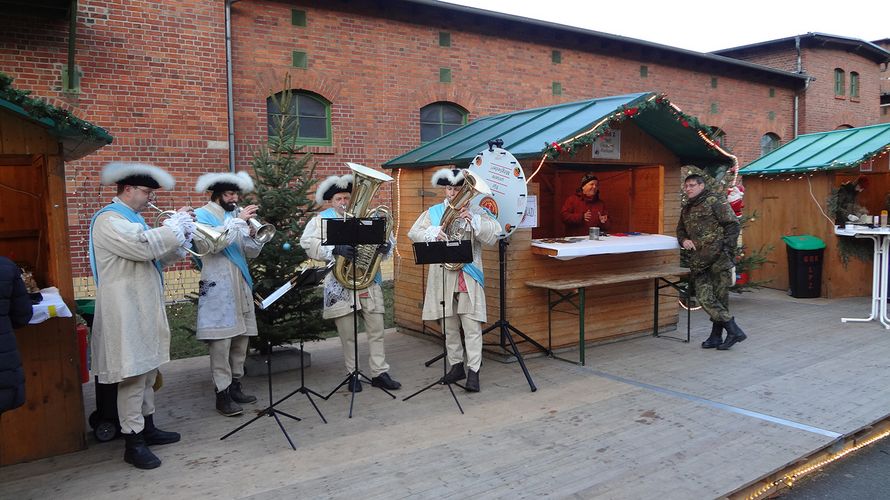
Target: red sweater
573, 214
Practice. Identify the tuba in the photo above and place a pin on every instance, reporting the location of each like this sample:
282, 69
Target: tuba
365, 183
214, 238
453, 226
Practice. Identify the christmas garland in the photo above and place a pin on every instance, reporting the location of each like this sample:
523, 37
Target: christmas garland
65, 122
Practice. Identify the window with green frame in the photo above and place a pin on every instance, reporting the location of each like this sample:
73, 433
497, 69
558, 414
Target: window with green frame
307, 117
440, 118
839, 82
854, 84
768, 142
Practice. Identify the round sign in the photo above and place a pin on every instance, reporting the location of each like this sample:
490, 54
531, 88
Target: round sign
504, 176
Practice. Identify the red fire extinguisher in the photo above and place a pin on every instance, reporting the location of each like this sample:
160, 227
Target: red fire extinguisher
82, 332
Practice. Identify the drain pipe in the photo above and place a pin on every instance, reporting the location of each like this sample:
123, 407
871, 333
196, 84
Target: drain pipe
230, 104
797, 92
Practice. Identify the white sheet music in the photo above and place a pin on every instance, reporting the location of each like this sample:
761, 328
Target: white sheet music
268, 301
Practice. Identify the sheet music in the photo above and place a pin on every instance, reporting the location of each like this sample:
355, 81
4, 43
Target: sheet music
283, 289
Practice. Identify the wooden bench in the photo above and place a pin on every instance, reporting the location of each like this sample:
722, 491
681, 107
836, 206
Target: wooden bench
567, 289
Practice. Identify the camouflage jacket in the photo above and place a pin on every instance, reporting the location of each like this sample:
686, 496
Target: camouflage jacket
710, 223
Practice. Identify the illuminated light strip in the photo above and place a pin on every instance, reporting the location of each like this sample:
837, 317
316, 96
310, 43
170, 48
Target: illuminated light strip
398, 212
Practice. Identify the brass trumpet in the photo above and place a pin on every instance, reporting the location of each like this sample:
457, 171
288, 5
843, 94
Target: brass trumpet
214, 238
263, 232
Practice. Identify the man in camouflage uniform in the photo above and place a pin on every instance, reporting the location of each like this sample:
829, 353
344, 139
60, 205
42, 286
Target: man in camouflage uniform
708, 230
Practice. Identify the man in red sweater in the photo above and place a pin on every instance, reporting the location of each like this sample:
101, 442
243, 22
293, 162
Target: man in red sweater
584, 209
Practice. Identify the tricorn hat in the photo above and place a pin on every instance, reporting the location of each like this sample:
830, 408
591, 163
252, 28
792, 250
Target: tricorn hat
448, 177
331, 186
136, 174
219, 182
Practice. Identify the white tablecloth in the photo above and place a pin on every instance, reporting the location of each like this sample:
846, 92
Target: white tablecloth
581, 246
52, 306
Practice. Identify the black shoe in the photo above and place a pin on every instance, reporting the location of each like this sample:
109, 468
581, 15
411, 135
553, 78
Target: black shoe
237, 395
716, 337
136, 452
472, 384
734, 334
154, 436
354, 384
456, 374
383, 380
225, 405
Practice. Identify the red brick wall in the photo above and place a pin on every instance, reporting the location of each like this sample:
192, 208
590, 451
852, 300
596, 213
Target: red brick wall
154, 77
824, 111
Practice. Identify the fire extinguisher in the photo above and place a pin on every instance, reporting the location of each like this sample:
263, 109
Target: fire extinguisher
82, 332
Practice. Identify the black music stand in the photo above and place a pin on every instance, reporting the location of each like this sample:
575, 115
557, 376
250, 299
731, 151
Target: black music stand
443, 252
354, 231
308, 278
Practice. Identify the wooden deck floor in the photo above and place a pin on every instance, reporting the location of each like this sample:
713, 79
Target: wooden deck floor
646, 418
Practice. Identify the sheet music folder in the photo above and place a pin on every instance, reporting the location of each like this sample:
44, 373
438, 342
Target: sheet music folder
354, 231
308, 277
443, 252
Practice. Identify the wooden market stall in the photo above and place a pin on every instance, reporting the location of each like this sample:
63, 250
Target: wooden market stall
789, 189
636, 144
35, 141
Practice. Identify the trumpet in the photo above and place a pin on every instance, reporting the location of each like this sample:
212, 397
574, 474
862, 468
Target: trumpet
262, 231
214, 238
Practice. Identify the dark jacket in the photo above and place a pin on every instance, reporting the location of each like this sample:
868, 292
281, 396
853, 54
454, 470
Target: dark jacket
573, 214
15, 311
711, 224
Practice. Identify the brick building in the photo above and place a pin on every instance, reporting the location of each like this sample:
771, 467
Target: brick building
371, 77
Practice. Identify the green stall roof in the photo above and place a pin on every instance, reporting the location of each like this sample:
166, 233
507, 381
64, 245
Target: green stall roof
835, 150
527, 133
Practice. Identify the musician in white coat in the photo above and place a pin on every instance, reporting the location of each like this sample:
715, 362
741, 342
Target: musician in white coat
464, 288
130, 334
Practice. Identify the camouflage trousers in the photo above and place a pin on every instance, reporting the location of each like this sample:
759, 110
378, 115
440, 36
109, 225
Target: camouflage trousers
711, 288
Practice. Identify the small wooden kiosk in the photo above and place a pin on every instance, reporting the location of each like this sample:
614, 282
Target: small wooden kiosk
35, 141
789, 188
636, 145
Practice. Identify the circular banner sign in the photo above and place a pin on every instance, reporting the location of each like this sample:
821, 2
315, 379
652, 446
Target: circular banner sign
509, 194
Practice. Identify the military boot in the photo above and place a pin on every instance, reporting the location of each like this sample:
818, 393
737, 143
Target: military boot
237, 395
225, 405
456, 374
136, 452
154, 436
716, 337
733, 334
472, 381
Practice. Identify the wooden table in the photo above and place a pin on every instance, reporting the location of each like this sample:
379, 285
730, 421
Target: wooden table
567, 289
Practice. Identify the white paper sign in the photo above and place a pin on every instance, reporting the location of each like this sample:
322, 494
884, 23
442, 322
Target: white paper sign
607, 146
530, 219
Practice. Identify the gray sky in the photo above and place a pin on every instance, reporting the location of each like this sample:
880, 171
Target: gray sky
705, 26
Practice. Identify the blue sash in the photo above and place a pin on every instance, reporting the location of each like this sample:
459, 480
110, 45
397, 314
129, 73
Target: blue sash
436, 212
330, 213
233, 252
132, 216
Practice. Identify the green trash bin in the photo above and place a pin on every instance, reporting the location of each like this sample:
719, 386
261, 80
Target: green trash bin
805, 254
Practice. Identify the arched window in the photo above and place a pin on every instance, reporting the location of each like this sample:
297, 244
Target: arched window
718, 136
839, 82
854, 84
768, 142
302, 115
439, 118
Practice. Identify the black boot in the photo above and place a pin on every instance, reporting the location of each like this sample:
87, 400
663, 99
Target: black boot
733, 334
472, 381
237, 395
154, 436
456, 374
386, 382
354, 384
225, 405
136, 452
716, 337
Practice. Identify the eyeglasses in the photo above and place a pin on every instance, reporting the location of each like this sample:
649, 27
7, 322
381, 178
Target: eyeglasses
148, 192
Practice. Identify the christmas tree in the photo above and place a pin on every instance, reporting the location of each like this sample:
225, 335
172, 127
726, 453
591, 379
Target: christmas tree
284, 177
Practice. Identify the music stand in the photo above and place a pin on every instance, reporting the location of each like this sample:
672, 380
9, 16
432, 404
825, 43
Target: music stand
308, 278
354, 231
443, 252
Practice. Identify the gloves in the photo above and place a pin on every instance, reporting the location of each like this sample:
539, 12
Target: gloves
344, 251
384, 248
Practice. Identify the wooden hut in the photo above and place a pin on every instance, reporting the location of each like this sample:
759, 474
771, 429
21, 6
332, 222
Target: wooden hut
35, 141
636, 145
789, 188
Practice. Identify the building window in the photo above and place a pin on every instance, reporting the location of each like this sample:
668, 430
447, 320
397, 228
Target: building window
444, 75
439, 118
556, 57
854, 84
444, 39
718, 136
301, 115
772, 92
839, 82
713, 82
300, 59
557, 88
714, 109
644, 71
768, 142
298, 17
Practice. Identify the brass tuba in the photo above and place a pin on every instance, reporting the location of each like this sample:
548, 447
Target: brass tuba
365, 183
453, 226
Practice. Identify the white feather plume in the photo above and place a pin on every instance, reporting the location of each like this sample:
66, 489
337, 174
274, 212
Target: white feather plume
118, 170
241, 179
341, 182
449, 175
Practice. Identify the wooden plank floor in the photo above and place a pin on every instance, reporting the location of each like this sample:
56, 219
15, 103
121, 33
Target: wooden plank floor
646, 418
